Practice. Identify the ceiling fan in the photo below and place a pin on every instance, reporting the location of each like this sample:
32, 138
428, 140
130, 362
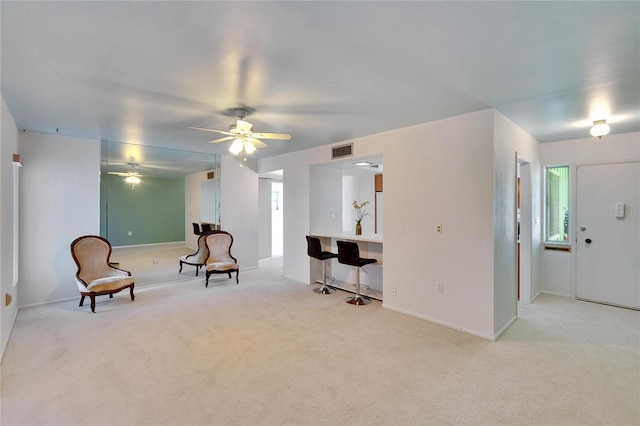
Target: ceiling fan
132, 177
244, 139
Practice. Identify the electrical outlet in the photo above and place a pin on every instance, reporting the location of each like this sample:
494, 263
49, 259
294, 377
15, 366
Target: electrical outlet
440, 288
394, 292
438, 229
155, 260
130, 233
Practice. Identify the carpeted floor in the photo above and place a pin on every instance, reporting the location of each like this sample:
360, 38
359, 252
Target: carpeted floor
155, 263
269, 351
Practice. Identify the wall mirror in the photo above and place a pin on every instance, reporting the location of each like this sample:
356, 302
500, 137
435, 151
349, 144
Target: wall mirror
149, 199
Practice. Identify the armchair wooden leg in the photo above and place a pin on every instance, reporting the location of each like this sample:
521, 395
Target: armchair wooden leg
131, 292
237, 273
93, 302
111, 296
180, 271
81, 300
206, 283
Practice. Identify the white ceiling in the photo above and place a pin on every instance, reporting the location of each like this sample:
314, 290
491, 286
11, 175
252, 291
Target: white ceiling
143, 72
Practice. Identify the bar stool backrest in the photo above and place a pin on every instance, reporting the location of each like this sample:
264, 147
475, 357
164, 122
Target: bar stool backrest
314, 248
348, 253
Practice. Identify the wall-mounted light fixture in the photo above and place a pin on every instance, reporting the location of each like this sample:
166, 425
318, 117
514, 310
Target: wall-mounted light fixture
600, 128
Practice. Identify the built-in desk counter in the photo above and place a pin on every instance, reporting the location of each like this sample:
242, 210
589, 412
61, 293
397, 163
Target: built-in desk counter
349, 236
343, 276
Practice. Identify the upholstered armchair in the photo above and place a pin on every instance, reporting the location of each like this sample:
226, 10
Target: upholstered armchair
198, 258
220, 260
95, 276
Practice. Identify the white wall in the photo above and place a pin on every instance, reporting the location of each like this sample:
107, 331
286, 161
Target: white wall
325, 193
60, 201
448, 179
557, 269
192, 203
509, 139
277, 217
239, 210
8, 147
264, 204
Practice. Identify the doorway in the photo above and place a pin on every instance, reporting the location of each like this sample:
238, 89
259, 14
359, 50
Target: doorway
524, 227
271, 227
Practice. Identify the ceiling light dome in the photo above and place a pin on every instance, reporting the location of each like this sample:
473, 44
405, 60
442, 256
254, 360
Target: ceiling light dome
236, 147
600, 128
132, 180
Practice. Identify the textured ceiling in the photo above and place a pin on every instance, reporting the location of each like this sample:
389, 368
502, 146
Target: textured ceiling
325, 72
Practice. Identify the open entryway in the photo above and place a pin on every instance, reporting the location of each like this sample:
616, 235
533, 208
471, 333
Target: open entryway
524, 228
608, 234
271, 208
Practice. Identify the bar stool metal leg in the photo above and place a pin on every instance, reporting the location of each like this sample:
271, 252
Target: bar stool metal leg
324, 289
358, 299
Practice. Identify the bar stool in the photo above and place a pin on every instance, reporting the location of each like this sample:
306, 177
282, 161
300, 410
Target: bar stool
314, 249
349, 254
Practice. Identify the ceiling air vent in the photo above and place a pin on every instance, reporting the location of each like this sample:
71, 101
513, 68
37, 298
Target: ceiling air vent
210, 175
341, 151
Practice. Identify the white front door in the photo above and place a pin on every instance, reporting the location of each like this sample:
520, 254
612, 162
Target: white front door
608, 234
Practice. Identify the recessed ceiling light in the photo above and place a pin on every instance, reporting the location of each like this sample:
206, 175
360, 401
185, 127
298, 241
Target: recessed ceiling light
363, 163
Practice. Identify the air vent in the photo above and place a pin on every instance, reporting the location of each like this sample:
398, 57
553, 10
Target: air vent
341, 151
210, 175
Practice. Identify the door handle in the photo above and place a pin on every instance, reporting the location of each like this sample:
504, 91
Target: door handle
588, 241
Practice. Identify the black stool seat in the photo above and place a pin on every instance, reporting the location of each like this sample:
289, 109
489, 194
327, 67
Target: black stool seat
314, 249
324, 255
349, 254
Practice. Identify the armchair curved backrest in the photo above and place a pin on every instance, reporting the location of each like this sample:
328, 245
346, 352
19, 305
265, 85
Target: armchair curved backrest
95, 276
198, 258
220, 260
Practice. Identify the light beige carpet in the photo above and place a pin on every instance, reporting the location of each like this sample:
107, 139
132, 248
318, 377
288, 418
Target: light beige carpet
269, 351
154, 263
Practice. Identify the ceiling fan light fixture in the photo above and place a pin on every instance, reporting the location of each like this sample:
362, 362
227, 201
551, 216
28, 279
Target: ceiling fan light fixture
236, 146
249, 148
600, 128
132, 180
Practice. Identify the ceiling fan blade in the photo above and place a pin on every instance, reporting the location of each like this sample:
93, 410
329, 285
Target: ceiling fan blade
223, 132
280, 136
257, 143
226, 138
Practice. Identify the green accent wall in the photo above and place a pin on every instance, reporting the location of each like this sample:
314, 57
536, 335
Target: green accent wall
154, 210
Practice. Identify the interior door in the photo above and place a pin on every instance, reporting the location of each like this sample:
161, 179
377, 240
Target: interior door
608, 234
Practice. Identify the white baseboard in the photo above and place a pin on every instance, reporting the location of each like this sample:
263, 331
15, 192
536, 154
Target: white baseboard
503, 329
171, 244
443, 323
552, 293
